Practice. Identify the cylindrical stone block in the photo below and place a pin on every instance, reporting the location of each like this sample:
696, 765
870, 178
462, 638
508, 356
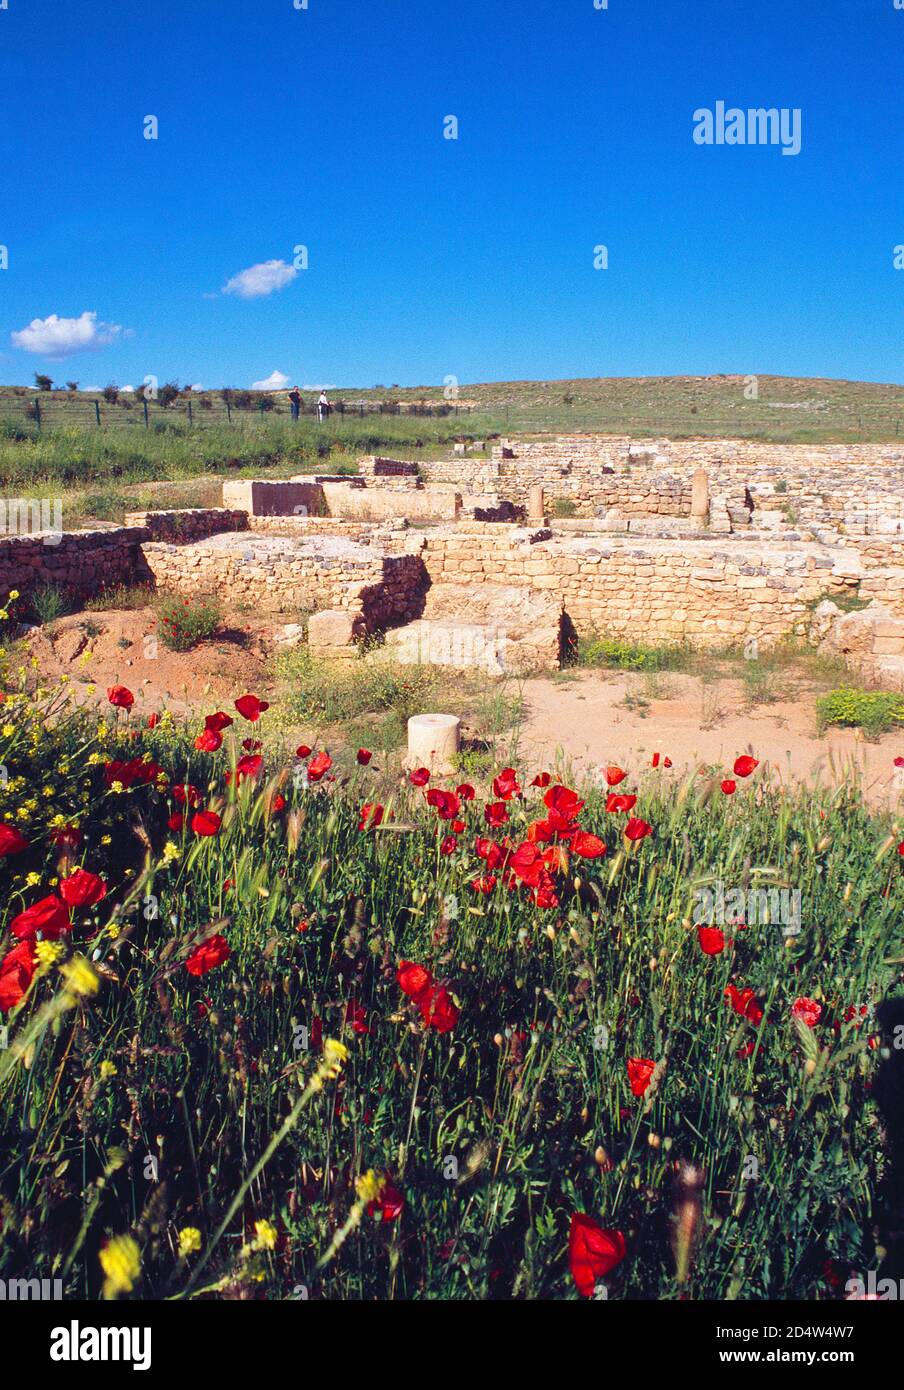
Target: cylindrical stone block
433, 741
536, 506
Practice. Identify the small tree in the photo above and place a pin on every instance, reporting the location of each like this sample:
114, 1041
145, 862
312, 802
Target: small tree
167, 393
71, 385
111, 393
42, 382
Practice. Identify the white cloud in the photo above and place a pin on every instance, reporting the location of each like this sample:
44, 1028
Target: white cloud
308, 387
128, 390
276, 381
259, 280
56, 337
196, 386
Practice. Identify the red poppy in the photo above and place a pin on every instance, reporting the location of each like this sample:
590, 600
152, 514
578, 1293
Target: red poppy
419, 777
389, 1204
466, 791
414, 980
616, 804
318, 766
744, 1002
250, 707
484, 885
614, 775
655, 759
49, 917
495, 814
587, 846
505, 786
745, 765
542, 779
458, 827
208, 741
205, 823
176, 821
564, 802
302, 751
370, 816
449, 845
592, 1252
901, 848
899, 762
712, 940
186, 793
82, 889
356, 1017
252, 745
640, 1074
120, 696
808, 1011
278, 804
438, 1010
11, 841
729, 786
207, 955
68, 836
249, 765
218, 721
446, 803
153, 720
16, 972
637, 829
490, 851
364, 756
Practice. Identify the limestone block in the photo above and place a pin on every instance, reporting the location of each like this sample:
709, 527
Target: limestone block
433, 742
333, 627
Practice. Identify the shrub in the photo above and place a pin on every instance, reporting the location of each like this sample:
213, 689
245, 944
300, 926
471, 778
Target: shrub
184, 622
873, 711
563, 506
49, 603
628, 656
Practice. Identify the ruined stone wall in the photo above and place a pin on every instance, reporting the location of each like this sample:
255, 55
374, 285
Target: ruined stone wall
81, 563
190, 524
282, 574
710, 593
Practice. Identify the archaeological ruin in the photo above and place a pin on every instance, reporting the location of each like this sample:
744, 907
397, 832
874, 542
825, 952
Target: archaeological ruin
498, 556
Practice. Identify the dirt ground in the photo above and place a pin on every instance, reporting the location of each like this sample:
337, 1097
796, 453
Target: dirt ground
591, 719
122, 647
581, 720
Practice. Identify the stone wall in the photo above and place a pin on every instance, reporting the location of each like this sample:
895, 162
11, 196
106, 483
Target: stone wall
707, 593
79, 562
285, 574
191, 524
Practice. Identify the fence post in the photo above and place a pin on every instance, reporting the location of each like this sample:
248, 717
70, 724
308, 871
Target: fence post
38, 413
97, 412
228, 413
190, 416
146, 412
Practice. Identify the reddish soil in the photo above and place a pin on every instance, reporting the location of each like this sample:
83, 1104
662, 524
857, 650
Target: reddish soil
123, 648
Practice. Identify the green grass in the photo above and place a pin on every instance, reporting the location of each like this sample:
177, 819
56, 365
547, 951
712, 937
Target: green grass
619, 654
162, 1101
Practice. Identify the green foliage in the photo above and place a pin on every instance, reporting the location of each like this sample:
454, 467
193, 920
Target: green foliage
624, 655
48, 603
873, 711
213, 1076
184, 622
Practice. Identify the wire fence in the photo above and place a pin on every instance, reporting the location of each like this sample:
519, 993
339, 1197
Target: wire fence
50, 410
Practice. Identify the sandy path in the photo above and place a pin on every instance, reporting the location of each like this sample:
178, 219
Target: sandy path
582, 720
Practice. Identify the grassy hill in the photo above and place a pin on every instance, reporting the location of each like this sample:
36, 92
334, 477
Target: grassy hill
784, 408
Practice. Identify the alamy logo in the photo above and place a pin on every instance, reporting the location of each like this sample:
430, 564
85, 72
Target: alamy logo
28, 516
717, 905
755, 126
76, 1343
31, 1290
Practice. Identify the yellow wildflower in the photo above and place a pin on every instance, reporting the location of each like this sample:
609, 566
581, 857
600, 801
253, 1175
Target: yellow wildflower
121, 1262
80, 977
266, 1234
189, 1241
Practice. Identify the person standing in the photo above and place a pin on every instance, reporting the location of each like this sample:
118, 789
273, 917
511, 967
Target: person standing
295, 401
323, 407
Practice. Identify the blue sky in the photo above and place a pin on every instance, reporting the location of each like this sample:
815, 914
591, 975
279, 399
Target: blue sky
429, 257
